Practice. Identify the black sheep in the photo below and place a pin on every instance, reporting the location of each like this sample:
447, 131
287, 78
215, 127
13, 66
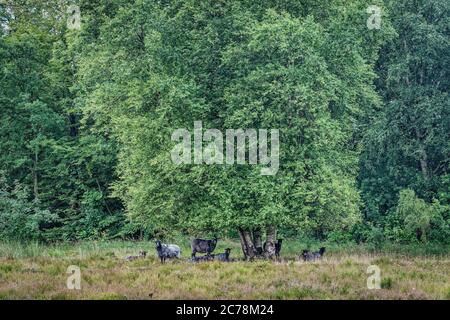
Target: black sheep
311, 256
203, 246
202, 258
167, 251
223, 256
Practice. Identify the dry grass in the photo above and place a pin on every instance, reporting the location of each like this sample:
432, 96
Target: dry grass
40, 273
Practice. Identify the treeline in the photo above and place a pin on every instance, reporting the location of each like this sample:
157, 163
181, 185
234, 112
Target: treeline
87, 117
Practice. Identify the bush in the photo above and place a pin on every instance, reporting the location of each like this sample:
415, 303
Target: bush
386, 283
376, 238
420, 218
20, 218
339, 236
440, 223
361, 232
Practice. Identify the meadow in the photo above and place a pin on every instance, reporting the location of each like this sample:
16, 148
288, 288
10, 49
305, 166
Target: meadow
101, 102
36, 271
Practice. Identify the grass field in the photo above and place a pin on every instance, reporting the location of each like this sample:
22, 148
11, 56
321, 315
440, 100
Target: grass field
36, 271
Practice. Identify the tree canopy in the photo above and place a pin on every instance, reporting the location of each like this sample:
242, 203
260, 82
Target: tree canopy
88, 115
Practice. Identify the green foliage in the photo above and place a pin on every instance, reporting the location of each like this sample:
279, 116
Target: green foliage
415, 213
407, 141
386, 283
43, 147
415, 220
87, 117
251, 66
376, 238
20, 218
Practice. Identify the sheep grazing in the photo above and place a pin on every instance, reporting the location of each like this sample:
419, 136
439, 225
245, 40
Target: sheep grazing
306, 255
204, 258
142, 254
225, 257
311, 256
130, 258
203, 246
277, 247
167, 251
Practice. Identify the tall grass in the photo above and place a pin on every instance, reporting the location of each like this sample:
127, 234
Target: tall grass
38, 271
291, 248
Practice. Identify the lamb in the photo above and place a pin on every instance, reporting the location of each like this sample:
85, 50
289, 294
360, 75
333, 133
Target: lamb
225, 257
203, 246
277, 247
167, 251
311, 256
142, 254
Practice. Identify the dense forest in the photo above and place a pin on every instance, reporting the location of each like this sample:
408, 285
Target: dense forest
87, 115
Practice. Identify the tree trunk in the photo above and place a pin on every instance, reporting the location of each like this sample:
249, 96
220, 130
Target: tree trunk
271, 235
424, 163
35, 175
423, 157
243, 242
247, 245
257, 241
251, 250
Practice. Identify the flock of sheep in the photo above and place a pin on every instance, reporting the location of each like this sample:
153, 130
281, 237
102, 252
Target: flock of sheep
170, 251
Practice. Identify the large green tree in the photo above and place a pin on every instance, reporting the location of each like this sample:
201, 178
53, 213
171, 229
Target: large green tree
303, 68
